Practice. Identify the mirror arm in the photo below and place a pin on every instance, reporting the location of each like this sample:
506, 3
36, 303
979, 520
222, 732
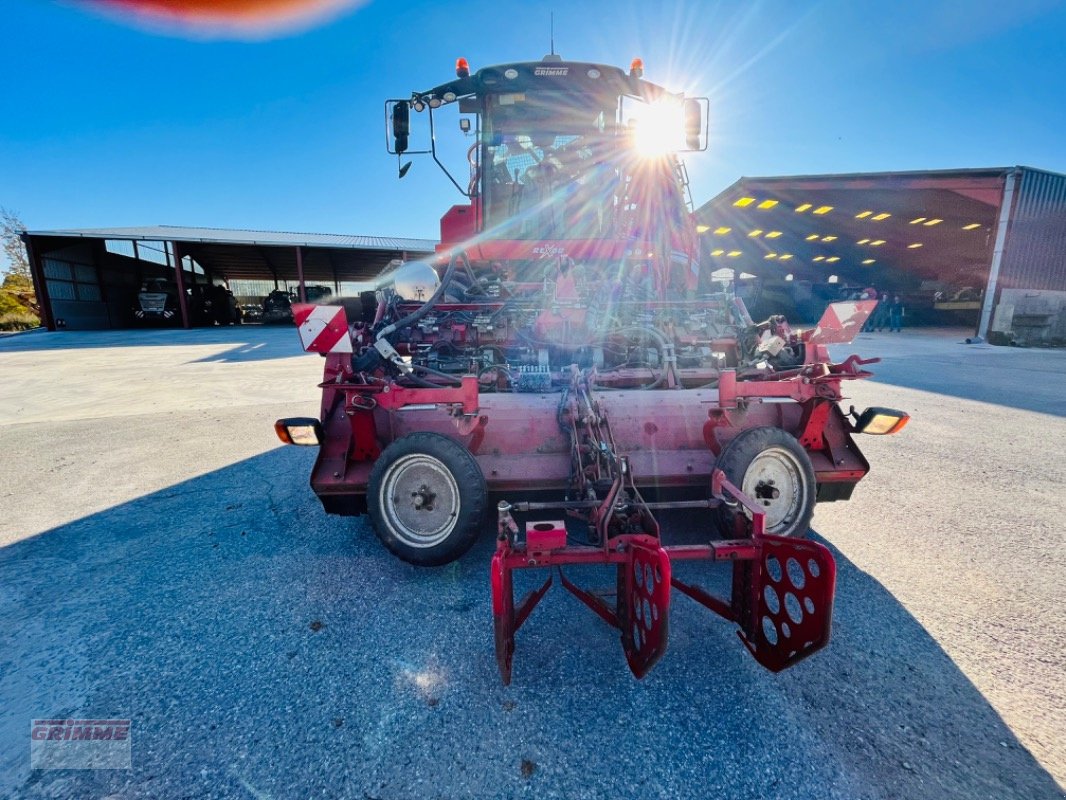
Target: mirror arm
433, 151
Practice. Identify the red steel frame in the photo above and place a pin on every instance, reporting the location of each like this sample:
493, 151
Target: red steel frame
782, 594
672, 436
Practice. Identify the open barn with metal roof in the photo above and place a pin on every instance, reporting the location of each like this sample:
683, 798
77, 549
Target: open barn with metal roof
90, 279
980, 247
984, 248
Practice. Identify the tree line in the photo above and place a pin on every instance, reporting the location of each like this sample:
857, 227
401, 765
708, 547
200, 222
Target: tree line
18, 302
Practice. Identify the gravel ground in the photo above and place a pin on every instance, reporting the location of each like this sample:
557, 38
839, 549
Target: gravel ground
163, 560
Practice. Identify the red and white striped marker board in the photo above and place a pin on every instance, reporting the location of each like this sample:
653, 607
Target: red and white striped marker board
323, 329
841, 322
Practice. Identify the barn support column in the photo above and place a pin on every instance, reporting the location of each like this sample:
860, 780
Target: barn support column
179, 279
44, 300
300, 273
997, 255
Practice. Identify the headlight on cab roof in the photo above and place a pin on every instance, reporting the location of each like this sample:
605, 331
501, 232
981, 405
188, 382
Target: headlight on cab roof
881, 421
305, 431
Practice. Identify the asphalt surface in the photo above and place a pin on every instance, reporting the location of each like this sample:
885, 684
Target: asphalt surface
162, 559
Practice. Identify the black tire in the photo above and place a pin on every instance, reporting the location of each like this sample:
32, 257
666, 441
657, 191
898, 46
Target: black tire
764, 462
427, 497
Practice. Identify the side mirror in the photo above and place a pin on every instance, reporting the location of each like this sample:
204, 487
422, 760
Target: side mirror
401, 125
695, 133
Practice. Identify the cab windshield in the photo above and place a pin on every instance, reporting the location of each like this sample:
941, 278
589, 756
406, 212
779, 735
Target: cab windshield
551, 165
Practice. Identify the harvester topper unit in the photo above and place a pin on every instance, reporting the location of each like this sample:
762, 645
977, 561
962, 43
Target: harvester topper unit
566, 353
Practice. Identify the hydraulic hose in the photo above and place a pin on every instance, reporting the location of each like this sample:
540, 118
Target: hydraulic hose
666, 348
437, 374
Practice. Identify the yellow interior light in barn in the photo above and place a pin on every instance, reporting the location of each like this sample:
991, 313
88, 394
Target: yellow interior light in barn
971, 226
916, 220
702, 228
877, 242
812, 237
829, 238
722, 231
773, 234
802, 208
868, 261
770, 255
914, 246
819, 258
734, 253
822, 210
717, 252
863, 214
862, 241
932, 222
744, 201
766, 205
755, 233
784, 257
832, 259
881, 216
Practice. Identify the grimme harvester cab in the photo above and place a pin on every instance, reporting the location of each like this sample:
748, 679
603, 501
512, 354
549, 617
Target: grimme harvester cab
566, 354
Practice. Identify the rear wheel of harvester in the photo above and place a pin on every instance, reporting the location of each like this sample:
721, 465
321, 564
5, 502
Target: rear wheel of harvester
426, 498
773, 469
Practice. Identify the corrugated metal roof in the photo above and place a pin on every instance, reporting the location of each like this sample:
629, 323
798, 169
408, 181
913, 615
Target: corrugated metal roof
181, 233
967, 172
1035, 254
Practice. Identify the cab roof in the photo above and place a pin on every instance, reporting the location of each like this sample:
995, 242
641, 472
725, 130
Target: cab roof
551, 73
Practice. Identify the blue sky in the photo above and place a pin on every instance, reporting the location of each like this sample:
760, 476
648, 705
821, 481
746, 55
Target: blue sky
107, 124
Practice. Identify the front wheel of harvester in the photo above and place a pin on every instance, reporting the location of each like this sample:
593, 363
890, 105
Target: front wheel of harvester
426, 498
773, 469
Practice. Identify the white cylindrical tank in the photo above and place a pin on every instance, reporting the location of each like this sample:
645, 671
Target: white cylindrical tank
410, 280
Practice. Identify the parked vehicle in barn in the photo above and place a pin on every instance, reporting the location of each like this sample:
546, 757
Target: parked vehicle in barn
567, 354
277, 306
156, 303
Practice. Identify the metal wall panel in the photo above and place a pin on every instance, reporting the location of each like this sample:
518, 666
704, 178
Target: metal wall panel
78, 315
1035, 253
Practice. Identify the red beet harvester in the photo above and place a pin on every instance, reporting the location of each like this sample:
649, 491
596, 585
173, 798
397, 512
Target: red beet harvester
566, 354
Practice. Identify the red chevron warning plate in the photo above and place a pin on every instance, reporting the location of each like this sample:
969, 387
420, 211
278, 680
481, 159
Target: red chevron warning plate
323, 329
841, 322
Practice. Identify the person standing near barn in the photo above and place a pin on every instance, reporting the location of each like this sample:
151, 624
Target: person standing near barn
895, 314
880, 315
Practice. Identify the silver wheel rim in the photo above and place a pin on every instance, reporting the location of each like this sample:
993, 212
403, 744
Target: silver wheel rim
420, 500
775, 480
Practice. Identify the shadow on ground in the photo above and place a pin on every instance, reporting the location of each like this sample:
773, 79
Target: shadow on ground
263, 649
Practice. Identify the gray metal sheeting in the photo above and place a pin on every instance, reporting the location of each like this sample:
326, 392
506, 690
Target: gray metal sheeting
179, 233
1035, 255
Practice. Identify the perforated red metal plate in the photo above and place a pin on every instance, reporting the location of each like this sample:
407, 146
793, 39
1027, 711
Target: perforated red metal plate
792, 587
644, 607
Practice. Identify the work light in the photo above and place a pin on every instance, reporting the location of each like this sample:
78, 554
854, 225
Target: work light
881, 421
305, 431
